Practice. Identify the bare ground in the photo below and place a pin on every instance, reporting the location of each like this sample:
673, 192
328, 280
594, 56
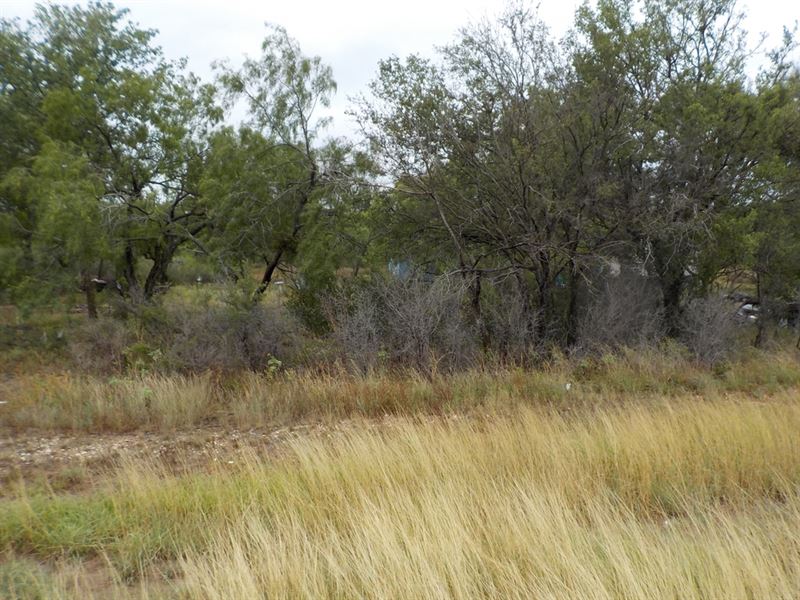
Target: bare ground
70, 462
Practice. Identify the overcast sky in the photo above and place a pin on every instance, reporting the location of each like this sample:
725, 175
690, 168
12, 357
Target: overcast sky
350, 35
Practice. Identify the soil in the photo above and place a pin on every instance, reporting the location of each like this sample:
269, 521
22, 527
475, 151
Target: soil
72, 462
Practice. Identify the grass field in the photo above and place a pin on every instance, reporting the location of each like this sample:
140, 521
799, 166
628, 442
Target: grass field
647, 478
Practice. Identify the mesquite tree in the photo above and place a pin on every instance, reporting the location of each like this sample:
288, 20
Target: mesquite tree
267, 177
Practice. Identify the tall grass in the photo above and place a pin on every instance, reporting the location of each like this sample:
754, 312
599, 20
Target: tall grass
72, 402
157, 401
666, 499
530, 544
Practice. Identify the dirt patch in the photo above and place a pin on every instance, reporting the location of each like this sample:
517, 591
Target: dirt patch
66, 462
70, 462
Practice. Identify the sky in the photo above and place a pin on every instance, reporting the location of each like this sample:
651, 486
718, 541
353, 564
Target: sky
350, 35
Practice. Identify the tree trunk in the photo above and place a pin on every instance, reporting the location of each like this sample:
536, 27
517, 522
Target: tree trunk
544, 322
530, 321
672, 290
129, 270
761, 320
572, 309
266, 279
129, 258
90, 292
158, 272
477, 315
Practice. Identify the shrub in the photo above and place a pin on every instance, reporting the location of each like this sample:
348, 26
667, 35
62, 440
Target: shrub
189, 269
356, 328
306, 300
411, 323
709, 329
99, 345
229, 337
511, 323
623, 310
141, 356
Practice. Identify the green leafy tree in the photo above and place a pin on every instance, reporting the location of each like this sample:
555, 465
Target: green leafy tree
496, 153
271, 180
89, 78
71, 236
696, 127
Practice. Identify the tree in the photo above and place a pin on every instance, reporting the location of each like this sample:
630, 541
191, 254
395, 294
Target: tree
695, 122
90, 79
19, 121
500, 142
759, 240
268, 180
629, 141
71, 236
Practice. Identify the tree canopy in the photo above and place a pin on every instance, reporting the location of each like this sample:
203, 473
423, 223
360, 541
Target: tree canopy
528, 167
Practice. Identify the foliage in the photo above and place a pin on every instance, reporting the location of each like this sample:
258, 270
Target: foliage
511, 161
100, 100
636, 140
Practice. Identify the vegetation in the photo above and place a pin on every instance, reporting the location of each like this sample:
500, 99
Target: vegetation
529, 171
274, 398
533, 334
655, 495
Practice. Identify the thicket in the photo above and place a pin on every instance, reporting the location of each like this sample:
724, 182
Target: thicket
512, 198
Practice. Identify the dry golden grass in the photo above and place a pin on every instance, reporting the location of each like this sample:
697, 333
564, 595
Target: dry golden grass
467, 542
670, 501
72, 402
66, 401
672, 497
